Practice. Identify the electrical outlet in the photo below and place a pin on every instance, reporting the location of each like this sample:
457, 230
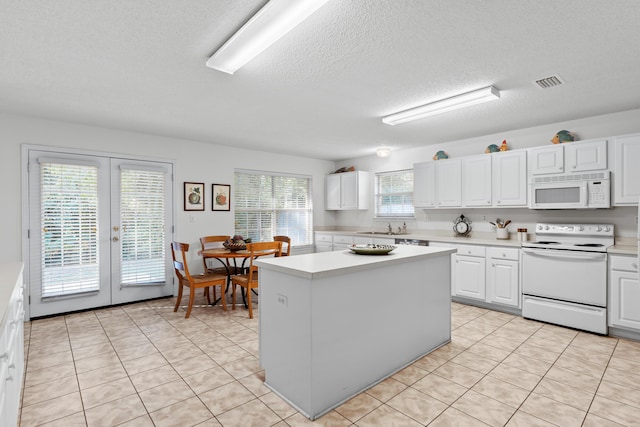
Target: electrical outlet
282, 299
484, 217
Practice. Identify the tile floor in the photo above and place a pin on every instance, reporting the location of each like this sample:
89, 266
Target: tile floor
144, 365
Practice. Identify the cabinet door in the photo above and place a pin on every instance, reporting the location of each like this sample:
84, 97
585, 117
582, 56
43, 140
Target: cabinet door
502, 282
624, 299
332, 191
469, 277
510, 178
449, 183
626, 173
424, 185
545, 160
476, 172
349, 190
586, 156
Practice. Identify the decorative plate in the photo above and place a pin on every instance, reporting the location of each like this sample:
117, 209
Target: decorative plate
372, 249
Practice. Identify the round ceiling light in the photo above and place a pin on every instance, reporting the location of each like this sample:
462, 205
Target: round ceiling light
383, 152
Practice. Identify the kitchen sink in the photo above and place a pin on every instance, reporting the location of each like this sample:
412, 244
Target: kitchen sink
384, 233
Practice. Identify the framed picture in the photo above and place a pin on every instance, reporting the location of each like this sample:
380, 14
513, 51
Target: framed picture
220, 197
194, 196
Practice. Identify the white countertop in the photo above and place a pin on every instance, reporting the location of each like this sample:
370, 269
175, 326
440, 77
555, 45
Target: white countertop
326, 264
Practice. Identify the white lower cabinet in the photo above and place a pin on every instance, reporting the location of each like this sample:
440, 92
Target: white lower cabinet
468, 275
341, 242
324, 242
624, 292
503, 284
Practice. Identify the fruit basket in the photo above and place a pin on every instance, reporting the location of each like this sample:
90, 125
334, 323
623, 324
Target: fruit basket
236, 246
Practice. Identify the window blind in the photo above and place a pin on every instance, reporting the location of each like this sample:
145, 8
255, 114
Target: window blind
142, 233
394, 194
69, 219
268, 205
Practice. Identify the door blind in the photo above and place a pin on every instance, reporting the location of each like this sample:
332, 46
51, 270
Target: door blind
267, 205
142, 226
69, 238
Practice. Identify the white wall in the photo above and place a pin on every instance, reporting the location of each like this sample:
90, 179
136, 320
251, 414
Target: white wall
430, 219
195, 161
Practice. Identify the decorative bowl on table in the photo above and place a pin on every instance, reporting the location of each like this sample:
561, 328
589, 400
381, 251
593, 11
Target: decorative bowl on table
236, 246
371, 249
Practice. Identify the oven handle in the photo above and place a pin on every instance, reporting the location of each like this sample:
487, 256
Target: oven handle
565, 254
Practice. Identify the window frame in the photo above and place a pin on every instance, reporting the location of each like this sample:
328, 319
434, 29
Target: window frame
378, 195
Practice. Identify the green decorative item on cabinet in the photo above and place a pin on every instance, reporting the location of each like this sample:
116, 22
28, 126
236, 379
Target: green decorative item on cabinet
563, 136
441, 155
493, 148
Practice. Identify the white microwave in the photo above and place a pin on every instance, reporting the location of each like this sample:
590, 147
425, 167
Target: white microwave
570, 191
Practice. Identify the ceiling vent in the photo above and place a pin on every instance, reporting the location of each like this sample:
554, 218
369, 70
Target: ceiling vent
548, 82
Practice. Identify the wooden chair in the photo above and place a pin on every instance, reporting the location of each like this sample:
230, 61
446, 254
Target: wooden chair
249, 281
284, 239
209, 242
193, 281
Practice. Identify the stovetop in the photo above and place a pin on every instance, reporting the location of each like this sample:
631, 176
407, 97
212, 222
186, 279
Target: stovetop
575, 237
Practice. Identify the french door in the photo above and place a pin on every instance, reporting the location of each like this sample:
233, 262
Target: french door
99, 231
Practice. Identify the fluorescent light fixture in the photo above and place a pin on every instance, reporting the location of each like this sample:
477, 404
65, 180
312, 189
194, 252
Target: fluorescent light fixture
444, 105
383, 152
274, 20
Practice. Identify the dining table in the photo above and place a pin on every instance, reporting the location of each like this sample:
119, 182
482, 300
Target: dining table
223, 255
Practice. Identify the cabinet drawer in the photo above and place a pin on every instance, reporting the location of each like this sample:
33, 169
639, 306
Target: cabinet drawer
471, 250
624, 263
503, 253
343, 239
324, 238
361, 240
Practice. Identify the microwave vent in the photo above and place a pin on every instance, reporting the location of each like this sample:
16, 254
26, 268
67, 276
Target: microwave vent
549, 82
570, 177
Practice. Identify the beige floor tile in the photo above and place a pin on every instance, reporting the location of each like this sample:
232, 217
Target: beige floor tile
594, 357
129, 342
279, 406
452, 417
144, 363
385, 390
522, 419
620, 393
501, 343
137, 352
501, 391
488, 351
107, 392
51, 410
96, 362
595, 421
255, 384
552, 411
47, 361
440, 388
582, 382
533, 366
165, 395
229, 396
39, 376
572, 363
154, 378
193, 365
449, 351
176, 354
484, 408
228, 354
386, 416
530, 351
615, 411
101, 375
332, 419
547, 344
626, 378
49, 390
417, 405
564, 394
76, 420
93, 339
515, 376
409, 375
358, 407
459, 374
596, 343
429, 362
188, 412
250, 414
556, 333
35, 351
243, 367
92, 350
208, 379
116, 412
473, 361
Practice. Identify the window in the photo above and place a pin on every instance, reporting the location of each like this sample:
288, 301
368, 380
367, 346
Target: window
394, 194
269, 204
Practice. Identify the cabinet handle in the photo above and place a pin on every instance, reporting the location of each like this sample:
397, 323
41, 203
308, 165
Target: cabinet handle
635, 265
493, 265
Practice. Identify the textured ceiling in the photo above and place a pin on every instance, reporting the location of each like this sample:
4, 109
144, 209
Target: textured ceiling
321, 90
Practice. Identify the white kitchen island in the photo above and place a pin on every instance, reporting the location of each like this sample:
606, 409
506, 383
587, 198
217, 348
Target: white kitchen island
333, 324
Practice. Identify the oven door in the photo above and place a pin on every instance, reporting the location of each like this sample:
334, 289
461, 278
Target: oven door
565, 275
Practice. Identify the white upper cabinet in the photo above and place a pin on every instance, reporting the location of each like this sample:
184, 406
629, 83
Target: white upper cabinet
449, 183
424, 185
545, 160
348, 190
476, 176
509, 178
626, 174
578, 156
585, 156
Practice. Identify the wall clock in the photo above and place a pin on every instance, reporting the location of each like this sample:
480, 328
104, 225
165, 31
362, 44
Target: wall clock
462, 226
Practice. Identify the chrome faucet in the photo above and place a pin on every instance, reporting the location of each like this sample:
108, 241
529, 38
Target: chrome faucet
404, 228
390, 228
